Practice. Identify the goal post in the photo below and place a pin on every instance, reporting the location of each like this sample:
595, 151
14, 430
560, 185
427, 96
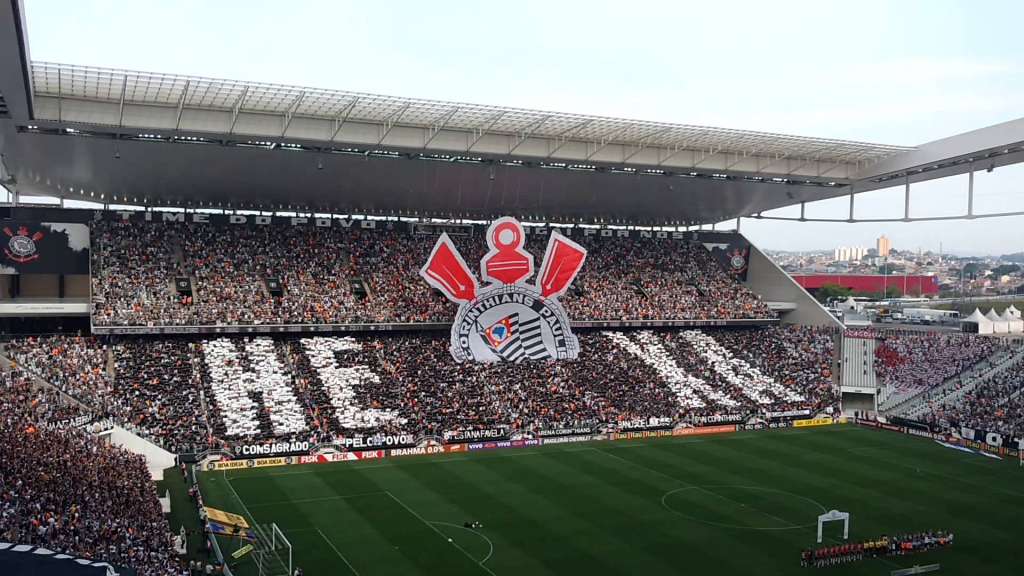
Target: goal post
835, 516
272, 551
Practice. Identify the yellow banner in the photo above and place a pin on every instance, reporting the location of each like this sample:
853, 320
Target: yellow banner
813, 422
251, 463
226, 517
241, 551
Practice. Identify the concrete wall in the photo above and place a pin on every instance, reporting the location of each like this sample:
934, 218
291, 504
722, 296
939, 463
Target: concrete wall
76, 286
859, 363
40, 285
857, 402
764, 277
45, 286
157, 459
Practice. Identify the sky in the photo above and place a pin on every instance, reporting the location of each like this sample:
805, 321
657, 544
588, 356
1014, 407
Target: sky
889, 72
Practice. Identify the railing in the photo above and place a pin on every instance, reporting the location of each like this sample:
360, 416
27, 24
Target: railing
403, 326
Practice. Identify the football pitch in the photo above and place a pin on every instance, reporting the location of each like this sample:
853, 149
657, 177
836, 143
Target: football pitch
744, 503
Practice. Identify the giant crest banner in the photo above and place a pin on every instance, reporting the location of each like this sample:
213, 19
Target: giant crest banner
44, 248
508, 319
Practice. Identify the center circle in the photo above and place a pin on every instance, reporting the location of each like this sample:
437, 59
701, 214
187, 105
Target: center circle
743, 507
506, 237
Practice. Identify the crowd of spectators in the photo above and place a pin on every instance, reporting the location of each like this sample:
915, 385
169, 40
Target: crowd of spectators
654, 279
63, 489
133, 272
189, 395
77, 365
135, 265
994, 405
910, 361
798, 357
324, 388
155, 393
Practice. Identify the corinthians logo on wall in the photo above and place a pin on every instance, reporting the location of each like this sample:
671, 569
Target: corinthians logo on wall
21, 247
508, 319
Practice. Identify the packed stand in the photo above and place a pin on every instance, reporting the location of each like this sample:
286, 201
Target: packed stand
157, 393
994, 405
189, 395
133, 271
65, 490
798, 357
77, 365
325, 388
153, 393
912, 361
135, 265
656, 279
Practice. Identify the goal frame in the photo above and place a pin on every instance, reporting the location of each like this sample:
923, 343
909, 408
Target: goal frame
269, 541
834, 516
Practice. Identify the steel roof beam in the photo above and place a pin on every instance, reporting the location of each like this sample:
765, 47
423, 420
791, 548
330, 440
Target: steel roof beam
181, 105
120, 108
290, 113
342, 117
568, 133
391, 120
481, 132
606, 141
524, 136
643, 143
436, 128
236, 108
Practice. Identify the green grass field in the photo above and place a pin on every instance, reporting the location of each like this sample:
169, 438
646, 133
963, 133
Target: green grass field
738, 504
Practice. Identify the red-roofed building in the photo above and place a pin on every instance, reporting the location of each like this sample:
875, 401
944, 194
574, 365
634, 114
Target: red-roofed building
872, 283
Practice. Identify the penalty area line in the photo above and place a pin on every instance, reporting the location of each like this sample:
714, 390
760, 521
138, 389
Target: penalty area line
322, 499
338, 552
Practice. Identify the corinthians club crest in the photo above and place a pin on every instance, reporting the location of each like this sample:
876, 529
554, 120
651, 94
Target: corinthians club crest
508, 320
21, 247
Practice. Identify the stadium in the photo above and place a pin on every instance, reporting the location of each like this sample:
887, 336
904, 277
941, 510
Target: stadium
263, 329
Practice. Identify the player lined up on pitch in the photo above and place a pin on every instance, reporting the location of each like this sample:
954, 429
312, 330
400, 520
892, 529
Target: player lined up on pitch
885, 546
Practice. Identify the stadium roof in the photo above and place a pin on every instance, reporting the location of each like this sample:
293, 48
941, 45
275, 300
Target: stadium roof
179, 93
126, 136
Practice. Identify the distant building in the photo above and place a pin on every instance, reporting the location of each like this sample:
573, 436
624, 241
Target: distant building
871, 283
849, 253
883, 246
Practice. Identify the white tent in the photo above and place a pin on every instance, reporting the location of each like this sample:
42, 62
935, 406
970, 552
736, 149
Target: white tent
856, 320
999, 325
977, 323
1012, 310
1014, 325
849, 304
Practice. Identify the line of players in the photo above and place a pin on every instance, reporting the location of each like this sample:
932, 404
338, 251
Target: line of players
884, 546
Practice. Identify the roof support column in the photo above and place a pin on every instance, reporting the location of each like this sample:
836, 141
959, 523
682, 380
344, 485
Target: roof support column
851, 204
60, 98
120, 108
906, 200
181, 105
970, 192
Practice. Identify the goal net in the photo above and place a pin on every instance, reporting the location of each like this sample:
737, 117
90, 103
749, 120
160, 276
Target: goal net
271, 551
